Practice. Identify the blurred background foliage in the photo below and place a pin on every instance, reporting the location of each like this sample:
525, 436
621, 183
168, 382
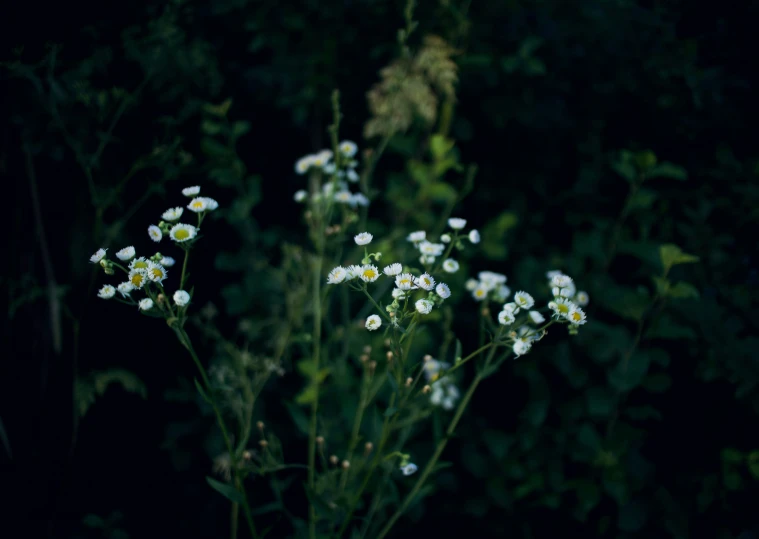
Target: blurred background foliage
611, 137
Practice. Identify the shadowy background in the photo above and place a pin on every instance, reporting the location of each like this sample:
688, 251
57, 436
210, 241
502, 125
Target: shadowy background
562, 105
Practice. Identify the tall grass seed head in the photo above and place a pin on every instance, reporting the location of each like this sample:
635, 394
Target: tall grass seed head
172, 214
181, 232
98, 256
155, 233
107, 292
373, 322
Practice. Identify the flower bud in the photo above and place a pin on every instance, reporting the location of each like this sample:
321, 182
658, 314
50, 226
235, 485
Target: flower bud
263, 443
409, 381
364, 358
426, 389
333, 459
368, 446
260, 425
427, 357
320, 440
346, 464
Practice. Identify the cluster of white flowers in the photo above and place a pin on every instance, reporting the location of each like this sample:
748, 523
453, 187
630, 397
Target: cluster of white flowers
567, 300
343, 171
429, 251
141, 273
443, 390
489, 285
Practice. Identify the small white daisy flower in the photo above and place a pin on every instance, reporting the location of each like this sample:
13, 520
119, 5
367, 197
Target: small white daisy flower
198, 205
409, 468
474, 236
445, 238
502, 292
329, 168
181, 298
582, 298
352, 176
211, 204
417, 236
167, 261
480, 292
456, 223
505, 318
443, 291
405, 281
321, 159
156, 272
182, 232
125, 289
524, 300
363, 239
424, 306
470, 284
191, 191
98, 256
511, 307
553, 273
393, 269
561, 292
426, 260
521, 347
398, 293
425, 281
561, 306
369, 273
348, 148
450, 265
353, 271
431, 249
127, 253
107, 292
172, 214
491, 279
373, 322
138, 278
146, 304
360, 200
155, 233
536, 317
337, 275
139, 263
571, 289
576, 316
303, 164
344, 197
561, 281
300, 195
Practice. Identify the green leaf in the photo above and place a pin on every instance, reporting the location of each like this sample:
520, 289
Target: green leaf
219, 110
210, 128
322, 508
298, 417
668, 170
671, 255
202, 391
226, 490
440, 146
682, 290
588, 436
493, 235
391, 410
629, 374
457, 354
601, 401
665, 327
645, 160
420, 172
240, 128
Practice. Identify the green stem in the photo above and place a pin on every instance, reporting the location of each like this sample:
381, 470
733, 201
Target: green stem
316, 338
380, 309
184, 269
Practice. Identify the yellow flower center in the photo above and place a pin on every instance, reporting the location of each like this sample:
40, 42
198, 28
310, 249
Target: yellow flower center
157, 273
136, 280
562, 308
576, 316
370, 273
141, 264
427, 281
405, 282
480, 293
197, 204
182, 234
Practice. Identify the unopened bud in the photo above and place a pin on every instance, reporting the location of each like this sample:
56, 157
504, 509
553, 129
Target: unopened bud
260, 425
161, 299
320, 440
247, 455
426, 389
364, 358
388, 343
367, 349
333, 459
372, 366
409, 381
346, 465
485, 311
263, 443
389, 355
368, 446
427, 357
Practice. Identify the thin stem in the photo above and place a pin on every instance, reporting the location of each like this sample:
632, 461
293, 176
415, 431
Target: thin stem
316, 339
470, 356
184, 269
380, 309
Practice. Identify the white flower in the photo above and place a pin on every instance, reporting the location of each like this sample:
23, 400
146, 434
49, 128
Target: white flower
470, 284
426, 260
172, 214
524, 300
360, 200
424, 306
191, 191
393, 269
352, 176
512, 308
561, 280
502, 292
181, 298
127, 253
303, 164
480, 292
198, 205
322, 158
146, 304
300, 195
373, 322
405, 281
344, 197
561, 292
445, 238
553, 273
211, 204
398, 293
167, 261
182, 232
582, 298
505, 318
125, 289
138, 278
98, 256
491, 279
561, 306
456, 223
536, 317
329, 168
576, 316
521, 347
337, 275
155, 233
450, 265
363, 239
139, 263
107, 292
474, 236
409, 468
417, 236
348, 148
571, 289
443, 291
369, 273
425, 281
156, 272
431, 249
352, 272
